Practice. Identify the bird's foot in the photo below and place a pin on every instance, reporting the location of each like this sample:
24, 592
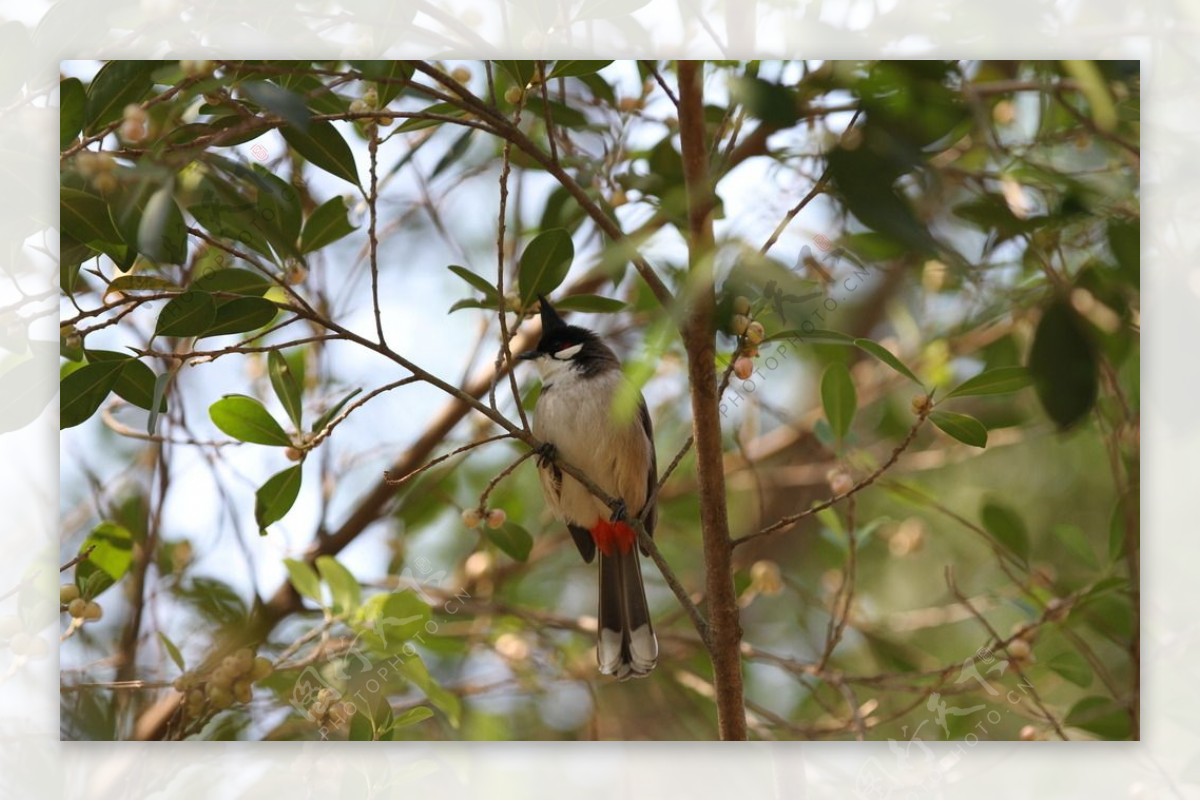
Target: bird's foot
546, 454
620, 513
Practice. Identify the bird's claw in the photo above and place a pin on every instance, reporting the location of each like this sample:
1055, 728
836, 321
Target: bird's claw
546, 454
619, 512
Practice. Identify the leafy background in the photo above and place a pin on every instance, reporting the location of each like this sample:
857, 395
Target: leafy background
967, 228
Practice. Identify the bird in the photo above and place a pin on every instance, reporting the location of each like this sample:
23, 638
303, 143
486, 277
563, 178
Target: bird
575, 419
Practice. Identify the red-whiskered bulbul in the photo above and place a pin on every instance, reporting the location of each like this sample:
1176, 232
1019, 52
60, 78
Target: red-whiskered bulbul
581, 378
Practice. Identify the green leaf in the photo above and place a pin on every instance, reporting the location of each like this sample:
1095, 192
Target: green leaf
274, 499
236, 282
240, 224
325, 148
1072, 667
71, 100
278, 206
285, 386
332, 411
304, 579
962, 427
1075, 541
415, 671
110, 553
361, 728
116, 85
173, 652
1062, 362
245, 419
512, 539
594, 304
136, 382
773, 104
162, 232
412, 717
135, 283
839, 398
576, 69
328, 223
387, 622
544, 264
520, 71
1101, 716
1006, 526
390, 77
471, 303
1124, 240
993, 382
83, 391
280, 102
158, 401
188, 315
477, 281
813, 336
884, 355
240, 315
343, 587
85, 217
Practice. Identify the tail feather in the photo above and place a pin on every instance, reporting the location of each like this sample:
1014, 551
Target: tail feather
626, 646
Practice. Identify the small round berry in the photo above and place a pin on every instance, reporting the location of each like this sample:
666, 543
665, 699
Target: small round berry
242, 692
105, 182
618, 199
1057, 610
629, 104
293, 454
741, 304
766, 577
496, 518
68, 593
195, 702
133, 126
920, 404
1028, 733
243, 659
739, 324
262, 668
371, 97
385, 122
472, 518
297, 274
77, 608
743, 368
840, 481
222, 677
514, 94
359, 107
220, 697
755, 333
461, 74
196, 69
1019, 650
180, 684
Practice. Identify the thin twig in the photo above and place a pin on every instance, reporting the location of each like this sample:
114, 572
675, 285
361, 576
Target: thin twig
789, 520
395, 482
372, 197
1003, 644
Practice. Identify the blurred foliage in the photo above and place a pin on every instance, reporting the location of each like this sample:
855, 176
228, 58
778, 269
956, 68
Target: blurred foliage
980, 252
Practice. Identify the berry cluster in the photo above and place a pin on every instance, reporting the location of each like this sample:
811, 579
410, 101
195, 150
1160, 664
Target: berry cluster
473, 517
78, 607
368, 103
228, 683
750, 332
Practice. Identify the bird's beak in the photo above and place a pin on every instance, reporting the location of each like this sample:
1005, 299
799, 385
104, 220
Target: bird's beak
528, 355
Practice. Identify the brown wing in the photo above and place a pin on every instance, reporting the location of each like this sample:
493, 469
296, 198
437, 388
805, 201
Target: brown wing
652, 475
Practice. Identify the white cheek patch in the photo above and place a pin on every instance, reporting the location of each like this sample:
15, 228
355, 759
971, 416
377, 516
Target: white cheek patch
568, 353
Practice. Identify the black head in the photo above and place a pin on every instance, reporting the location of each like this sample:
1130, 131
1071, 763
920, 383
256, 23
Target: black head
569, 343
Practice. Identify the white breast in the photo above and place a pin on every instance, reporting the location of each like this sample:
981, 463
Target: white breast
575, 415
